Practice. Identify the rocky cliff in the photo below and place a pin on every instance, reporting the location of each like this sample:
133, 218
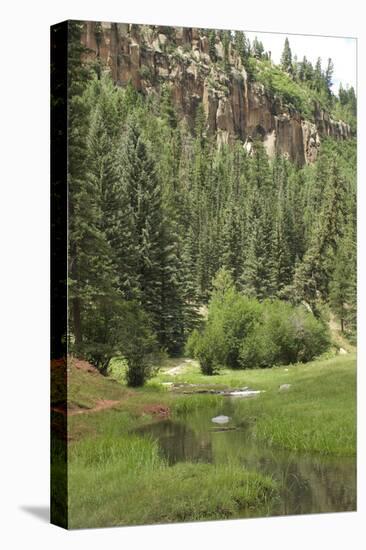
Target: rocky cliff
235, 107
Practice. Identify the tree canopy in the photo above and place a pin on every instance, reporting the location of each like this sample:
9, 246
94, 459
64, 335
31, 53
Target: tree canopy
157, 212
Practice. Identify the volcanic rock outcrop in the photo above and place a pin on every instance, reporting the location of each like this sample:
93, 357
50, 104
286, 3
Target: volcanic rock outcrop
235, 108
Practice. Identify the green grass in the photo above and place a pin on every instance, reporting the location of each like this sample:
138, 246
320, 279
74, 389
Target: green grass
130, 453
85, 388
316, 414
183, 405
126, 482
119, 478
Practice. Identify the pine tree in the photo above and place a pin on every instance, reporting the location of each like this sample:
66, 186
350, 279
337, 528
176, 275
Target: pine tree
240, 44
314, 190
286, 58
212, 45
313, 274
144, 197
167, 107
171, 331
302, 69
257, 48
352, 100
332, 216
294, 216
200, 127
295, 68
189, 291
120, 224
89, 261
232, 241
226, 40
342, 95
342, 286
259, 270
283, 256
329, 75
305, 71
318, 75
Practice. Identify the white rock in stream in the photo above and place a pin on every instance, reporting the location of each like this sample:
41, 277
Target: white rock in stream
221, 419
244, 393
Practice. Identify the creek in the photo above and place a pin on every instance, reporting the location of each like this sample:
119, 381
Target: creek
308, 482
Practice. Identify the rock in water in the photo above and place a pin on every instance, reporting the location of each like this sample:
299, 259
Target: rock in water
284, 387
243, 393
221, 419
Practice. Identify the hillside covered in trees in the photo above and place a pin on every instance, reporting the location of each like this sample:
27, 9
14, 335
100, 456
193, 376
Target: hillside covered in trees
172, 203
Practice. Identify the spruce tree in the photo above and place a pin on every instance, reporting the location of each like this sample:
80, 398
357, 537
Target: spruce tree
283, 257
329, 75
302, 69
144, 197
89, 261
212, 45
286, 58
257, 48
313, 274
259, 270
239, 42
318, 75
171, 330
342, 285
226, 40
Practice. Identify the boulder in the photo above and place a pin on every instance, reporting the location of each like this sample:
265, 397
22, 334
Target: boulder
222, 419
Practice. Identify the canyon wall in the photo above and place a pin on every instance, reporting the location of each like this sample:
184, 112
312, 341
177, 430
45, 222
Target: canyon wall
235, 108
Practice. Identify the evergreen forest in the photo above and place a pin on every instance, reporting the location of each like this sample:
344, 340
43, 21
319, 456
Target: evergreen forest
179, 246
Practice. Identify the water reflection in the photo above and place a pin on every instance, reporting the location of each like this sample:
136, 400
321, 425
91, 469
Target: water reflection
310, 483
180, 443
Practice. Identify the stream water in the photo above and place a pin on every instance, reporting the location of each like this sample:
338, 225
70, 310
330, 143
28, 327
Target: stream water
309, 483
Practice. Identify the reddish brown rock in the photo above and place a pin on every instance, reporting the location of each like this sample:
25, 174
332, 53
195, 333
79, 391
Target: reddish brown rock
235, 108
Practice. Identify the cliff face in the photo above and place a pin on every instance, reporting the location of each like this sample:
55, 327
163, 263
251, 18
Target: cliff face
235, 108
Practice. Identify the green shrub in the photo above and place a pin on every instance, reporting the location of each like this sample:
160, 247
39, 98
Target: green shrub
243, 333
117, 369
118, 328
145, 72
311, 337
231, 316
284, 335
192, 343
202, 346
258, 350
278, 83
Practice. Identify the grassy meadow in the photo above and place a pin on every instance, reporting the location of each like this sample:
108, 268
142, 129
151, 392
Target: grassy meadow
118, 477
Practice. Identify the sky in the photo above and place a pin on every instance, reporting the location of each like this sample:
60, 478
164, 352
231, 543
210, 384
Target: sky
342, 51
